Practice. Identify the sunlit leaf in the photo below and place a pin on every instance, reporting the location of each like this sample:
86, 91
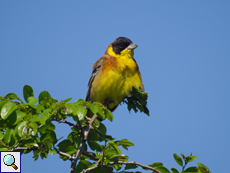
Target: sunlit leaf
67, 100
191, 158
7, 109
52, 151
22, 129
32, 100
93, 108
80, 111
178, 159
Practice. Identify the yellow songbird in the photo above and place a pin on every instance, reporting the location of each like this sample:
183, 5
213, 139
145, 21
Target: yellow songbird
114, 75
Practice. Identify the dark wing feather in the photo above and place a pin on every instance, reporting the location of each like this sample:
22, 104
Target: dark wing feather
96, 69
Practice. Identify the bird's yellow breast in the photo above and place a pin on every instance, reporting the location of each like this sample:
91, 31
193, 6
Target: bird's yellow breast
116, 78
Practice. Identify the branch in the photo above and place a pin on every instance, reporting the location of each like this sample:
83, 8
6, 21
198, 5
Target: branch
83, 141
67, 122
90, 155
135, 163
95, 167
65, 154
13, 148
23, 148
90, 169
17, 104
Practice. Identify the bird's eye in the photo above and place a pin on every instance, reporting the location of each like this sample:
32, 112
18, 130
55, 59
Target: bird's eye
121, 45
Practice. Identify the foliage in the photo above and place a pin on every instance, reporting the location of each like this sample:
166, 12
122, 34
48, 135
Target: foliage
28, 127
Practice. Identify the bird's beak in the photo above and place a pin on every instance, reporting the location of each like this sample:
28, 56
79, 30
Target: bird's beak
132, 46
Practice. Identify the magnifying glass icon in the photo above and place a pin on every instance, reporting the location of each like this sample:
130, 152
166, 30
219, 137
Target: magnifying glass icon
9, 160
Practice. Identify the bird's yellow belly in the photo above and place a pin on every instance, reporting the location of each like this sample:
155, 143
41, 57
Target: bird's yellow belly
114, 85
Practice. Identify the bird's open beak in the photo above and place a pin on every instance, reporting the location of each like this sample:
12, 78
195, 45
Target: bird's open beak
132, 46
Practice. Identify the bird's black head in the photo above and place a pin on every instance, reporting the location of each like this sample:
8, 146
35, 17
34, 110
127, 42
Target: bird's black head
120, 44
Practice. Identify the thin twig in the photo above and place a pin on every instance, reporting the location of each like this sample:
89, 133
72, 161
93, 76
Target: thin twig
67, 122
12, 149
95, 167
24, 148
90, 155
82, 144
135, 163
65, 154
121, 162
90, 169
18, 105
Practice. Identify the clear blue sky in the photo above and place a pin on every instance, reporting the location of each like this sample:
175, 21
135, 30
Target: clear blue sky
183, 55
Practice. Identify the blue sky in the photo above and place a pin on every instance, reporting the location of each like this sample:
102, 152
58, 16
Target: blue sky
184, 58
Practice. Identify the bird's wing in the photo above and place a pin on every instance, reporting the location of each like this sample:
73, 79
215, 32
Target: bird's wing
97, 66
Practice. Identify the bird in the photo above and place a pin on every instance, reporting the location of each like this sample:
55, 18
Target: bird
114, 75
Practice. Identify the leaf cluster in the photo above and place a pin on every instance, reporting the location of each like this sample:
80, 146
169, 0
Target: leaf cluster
27, 126
137, 101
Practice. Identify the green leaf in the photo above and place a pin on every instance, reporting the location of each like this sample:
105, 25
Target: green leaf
191, 169
3, 149
100, 113
110, 154
67, 100
2, 102
162, 169
117, 166
20, 116
174, 170
156, 164
44, 116
7, 109
22, 129
1, 135
99, 155
112, 145
138, 100
74, 138
64, 144
69, 150
178, 159
45, 136
131, 166
34, 126
102, 129
11, 96
202, 168
93, 108
45, 97
11, 119
31, 100
52, 151
27, 92
80, 111
8, 135
125, 143
83, 164
39, 109
109, 115
46, 128
191, 158
94, 145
